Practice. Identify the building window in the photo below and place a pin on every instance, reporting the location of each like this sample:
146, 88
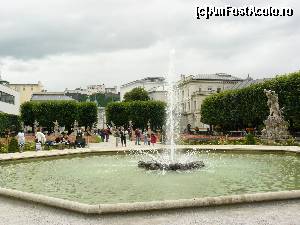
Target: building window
218, 90
24, 88
209, 88
189, 106
7, 98
32, 88
195, 105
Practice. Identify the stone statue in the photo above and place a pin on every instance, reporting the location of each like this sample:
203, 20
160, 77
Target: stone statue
276, 127
22, 126
273, 103
131, 130
75, 127
148, 124
35, 125
56, 128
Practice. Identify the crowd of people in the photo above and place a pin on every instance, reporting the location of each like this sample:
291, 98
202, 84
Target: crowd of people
122, 136
62, 140
137, 135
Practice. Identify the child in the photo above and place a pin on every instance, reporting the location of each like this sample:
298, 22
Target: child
38, 145
153, 139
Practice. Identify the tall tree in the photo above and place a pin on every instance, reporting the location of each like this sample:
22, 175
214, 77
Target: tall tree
136, 94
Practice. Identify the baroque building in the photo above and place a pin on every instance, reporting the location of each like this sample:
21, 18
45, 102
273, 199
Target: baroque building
193, 89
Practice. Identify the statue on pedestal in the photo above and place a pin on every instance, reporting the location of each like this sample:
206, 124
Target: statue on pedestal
35, 125
149, 127
75, 127
56, 128
276, 127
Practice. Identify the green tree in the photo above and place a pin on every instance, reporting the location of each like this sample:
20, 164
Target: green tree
139, 112
87, 113
247, 107
136, 94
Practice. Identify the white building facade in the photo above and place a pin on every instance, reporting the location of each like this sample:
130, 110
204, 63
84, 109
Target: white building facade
113, 90
155, 86
193, 89
9, 100
94, 89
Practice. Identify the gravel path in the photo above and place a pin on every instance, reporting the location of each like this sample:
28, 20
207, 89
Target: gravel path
17, 212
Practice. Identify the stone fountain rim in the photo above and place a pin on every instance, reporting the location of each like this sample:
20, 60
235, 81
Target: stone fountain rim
116, 208
83, 151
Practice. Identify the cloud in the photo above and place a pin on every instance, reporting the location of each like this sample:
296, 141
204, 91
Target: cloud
75, 43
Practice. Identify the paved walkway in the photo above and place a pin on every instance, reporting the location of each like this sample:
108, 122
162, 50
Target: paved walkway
14, 212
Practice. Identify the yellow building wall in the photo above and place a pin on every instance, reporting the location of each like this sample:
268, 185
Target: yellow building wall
26, 90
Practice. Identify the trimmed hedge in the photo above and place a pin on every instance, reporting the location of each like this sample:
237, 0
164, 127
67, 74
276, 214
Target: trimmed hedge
65, 112
139, 112
247, 107
8, 121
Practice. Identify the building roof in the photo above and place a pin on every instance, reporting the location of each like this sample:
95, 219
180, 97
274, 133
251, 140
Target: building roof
216, 76
146, 79
3, 81
51, 96
247, 83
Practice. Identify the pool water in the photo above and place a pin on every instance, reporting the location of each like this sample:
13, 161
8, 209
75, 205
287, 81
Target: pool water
96, 179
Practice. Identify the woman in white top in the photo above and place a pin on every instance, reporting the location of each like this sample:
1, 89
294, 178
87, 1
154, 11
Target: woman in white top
40, 139
21, 140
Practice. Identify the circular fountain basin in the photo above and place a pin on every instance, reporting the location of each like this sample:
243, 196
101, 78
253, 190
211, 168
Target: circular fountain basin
110, 179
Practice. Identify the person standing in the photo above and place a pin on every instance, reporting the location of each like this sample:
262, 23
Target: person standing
123, 137
145, 135
102, 134
153, 139
21, 140
137, 136
117, 135
106, 133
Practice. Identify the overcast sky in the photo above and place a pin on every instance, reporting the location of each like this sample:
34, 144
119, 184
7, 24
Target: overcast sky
73, 43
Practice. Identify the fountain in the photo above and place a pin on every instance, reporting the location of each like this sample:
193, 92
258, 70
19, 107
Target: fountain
170, 159
276, 127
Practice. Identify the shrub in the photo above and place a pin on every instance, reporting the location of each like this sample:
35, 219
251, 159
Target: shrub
65, 112
8, 121
13, 145
250, 139
3, 148
29, 146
